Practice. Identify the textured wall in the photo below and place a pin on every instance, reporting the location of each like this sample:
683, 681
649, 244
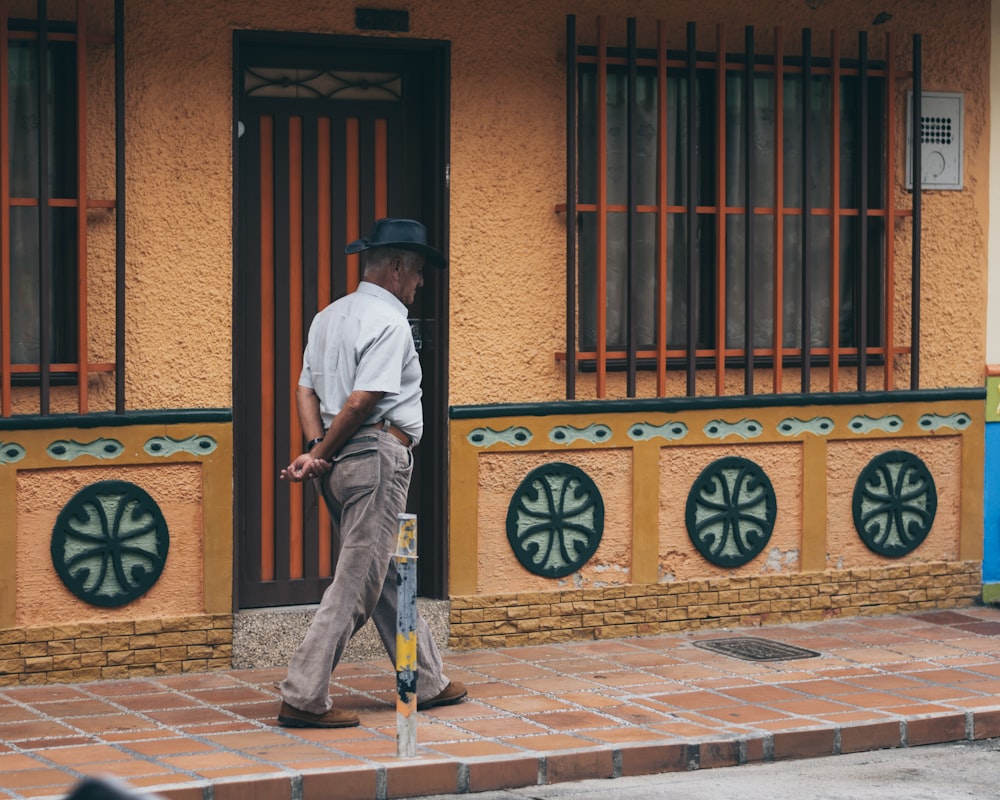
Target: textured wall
501, 473
507, 175
646, 461
43, 599
680, 468
943, 457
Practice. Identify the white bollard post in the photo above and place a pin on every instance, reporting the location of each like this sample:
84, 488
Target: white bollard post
406, 637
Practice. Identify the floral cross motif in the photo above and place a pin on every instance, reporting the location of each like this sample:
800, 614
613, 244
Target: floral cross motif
730, 511
895, 501
555, 520
110, 543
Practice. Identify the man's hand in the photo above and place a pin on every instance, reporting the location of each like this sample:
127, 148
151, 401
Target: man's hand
305, 467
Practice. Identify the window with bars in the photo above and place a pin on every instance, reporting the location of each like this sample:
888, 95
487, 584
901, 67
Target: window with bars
709, 189
47, 72
42, 149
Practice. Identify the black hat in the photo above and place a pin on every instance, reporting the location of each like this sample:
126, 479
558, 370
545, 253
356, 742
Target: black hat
406, 234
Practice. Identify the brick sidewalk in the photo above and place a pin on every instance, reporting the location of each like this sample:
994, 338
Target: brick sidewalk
542, 714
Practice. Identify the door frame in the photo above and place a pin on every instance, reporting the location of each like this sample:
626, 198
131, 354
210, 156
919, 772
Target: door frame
435, 201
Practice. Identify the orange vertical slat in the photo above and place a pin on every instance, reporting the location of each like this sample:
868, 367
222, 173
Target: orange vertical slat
835, 212
266, 349
324, 248
295, 564
82, 353
890, 209
661, 211
5, 326
352, 181
779, 208
602, 208
324, 266
381, 169
720, 213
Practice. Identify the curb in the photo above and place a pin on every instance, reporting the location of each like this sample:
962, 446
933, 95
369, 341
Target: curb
438, 776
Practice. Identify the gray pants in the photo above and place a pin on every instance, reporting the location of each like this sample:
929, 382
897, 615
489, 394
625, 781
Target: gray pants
365, 491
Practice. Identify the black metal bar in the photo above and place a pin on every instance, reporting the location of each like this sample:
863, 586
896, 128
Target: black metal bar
571, 226
917, 192
861, 288
692, 212
631, 214
309, 233
120, 206
280, 299
44, 212
806, 211
748, 201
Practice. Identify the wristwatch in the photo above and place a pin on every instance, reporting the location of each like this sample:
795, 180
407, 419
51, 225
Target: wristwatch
313, 442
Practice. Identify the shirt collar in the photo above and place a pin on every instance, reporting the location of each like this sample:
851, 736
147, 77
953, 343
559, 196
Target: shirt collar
374, 290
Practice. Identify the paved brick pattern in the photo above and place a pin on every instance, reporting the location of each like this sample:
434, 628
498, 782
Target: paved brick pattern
535, 715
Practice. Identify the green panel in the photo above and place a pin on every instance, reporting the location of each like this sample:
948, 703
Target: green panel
991, 593
993, 399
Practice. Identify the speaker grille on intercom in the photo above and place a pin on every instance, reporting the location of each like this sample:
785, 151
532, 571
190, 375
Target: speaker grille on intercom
935, 130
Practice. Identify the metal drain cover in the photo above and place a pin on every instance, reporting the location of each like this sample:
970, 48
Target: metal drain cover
750, 648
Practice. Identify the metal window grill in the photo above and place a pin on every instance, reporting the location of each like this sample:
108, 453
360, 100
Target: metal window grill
871, 346
43, 30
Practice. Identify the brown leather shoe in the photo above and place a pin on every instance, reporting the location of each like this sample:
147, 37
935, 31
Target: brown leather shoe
291, 717
454, 692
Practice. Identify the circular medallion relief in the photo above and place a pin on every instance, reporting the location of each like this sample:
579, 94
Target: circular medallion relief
895, 501
109, 544
555, 520
730, 511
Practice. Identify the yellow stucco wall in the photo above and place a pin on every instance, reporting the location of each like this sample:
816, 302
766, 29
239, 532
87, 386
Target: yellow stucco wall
507, 276
943, 458
646, 480
680, 467
42, 597
192, 486
499, 569
506, 178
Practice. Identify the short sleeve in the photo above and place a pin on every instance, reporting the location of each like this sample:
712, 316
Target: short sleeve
305, 377
380, 364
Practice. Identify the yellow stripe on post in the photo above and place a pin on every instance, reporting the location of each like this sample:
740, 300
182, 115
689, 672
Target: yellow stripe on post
406, 637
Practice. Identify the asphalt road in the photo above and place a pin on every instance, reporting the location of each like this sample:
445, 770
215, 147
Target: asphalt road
933, 772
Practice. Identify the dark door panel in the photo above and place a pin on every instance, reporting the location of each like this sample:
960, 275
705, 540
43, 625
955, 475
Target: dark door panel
332, 134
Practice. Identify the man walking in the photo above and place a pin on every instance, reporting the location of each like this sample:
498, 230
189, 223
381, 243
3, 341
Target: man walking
358, 400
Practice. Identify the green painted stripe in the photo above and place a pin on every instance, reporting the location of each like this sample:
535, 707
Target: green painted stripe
993, 398
991, 593
675, 404
34, 422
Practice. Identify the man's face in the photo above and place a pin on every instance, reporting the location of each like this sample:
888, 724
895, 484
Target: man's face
410, 279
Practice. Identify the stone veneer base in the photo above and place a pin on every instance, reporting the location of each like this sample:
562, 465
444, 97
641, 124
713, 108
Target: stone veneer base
94, 651
512, 620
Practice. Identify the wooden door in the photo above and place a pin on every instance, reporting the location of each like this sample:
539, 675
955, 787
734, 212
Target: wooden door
332, 133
